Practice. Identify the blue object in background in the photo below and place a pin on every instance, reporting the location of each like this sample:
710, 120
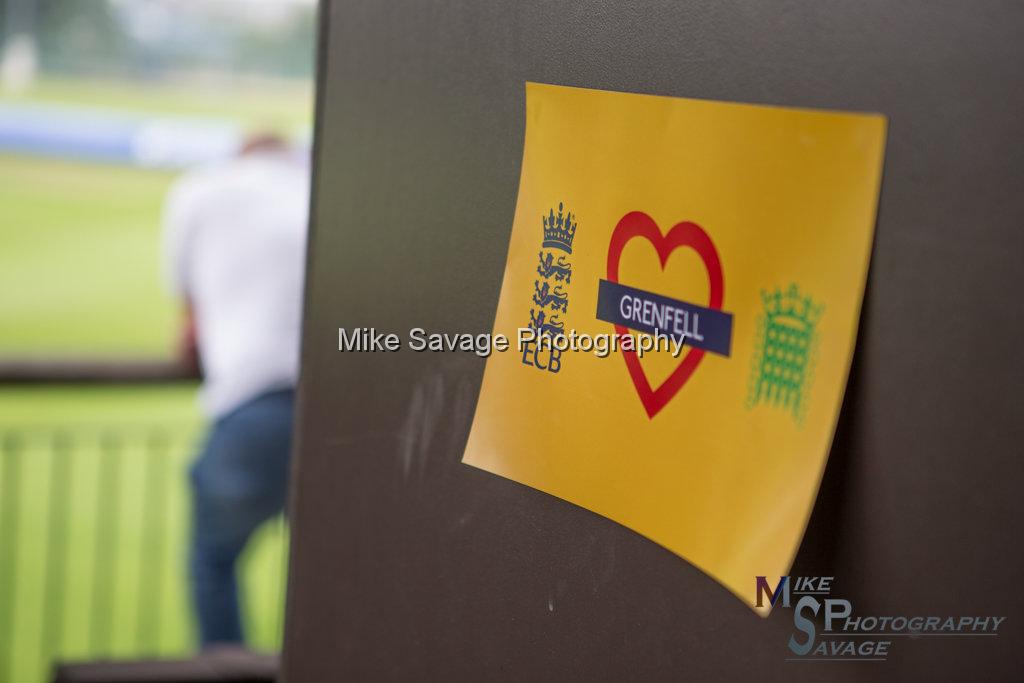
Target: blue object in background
99, 135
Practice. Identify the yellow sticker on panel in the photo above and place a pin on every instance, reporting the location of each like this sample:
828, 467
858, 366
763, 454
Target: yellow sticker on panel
682, 290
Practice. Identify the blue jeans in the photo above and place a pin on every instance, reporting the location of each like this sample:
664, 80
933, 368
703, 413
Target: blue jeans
239, 481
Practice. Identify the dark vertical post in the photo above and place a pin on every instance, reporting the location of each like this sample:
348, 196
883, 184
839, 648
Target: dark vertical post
451, 572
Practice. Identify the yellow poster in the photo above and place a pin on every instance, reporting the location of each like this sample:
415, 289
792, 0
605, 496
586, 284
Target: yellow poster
682, 291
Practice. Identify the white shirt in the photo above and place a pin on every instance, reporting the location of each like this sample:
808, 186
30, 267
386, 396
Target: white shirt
234, 243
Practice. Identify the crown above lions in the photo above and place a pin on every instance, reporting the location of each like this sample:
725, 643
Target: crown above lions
559, 230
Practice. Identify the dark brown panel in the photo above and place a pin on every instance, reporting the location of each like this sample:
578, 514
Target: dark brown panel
407, 565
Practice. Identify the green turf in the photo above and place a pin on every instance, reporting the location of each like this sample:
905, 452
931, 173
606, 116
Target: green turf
80, 276
92, 536
80, 261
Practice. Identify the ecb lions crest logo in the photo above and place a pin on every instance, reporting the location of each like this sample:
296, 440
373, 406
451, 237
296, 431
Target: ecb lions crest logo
550, 290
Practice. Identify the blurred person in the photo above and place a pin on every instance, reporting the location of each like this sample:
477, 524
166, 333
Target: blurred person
234, 241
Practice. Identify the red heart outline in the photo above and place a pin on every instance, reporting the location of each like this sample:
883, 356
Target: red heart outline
686, 234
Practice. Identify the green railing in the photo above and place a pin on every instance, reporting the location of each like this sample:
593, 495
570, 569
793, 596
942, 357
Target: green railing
93, 528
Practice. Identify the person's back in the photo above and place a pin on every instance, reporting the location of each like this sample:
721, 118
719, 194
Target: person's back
235, 247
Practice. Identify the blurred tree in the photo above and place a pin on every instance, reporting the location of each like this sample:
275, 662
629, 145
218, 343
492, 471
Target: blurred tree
18, 53
79, 37
287, 50
153, 38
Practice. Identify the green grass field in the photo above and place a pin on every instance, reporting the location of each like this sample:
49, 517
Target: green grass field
80, 262
80, 276
284, 106
93, 551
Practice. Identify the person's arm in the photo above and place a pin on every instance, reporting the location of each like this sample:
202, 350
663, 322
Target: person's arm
177, 228
187, 351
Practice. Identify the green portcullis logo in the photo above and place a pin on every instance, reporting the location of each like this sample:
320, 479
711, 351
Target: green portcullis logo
784, 351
